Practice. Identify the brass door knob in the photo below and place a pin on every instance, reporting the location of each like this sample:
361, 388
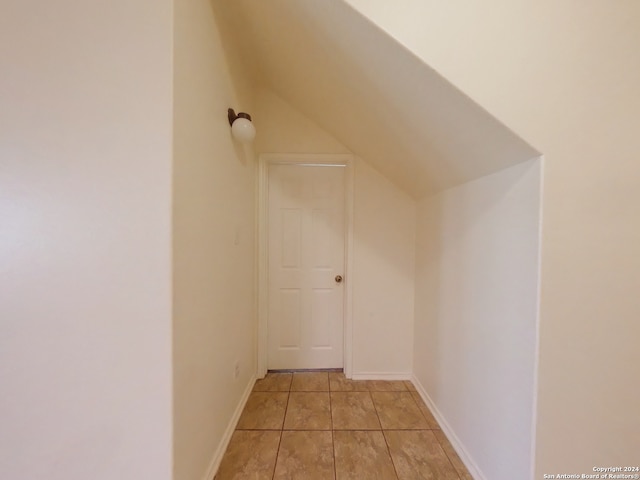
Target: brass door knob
338, 278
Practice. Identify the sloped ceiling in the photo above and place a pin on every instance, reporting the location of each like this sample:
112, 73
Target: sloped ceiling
372, 94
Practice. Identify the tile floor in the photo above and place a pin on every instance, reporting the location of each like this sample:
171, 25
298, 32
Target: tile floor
320, 425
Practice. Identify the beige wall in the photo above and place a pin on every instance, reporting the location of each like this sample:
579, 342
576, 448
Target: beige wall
477, 263
374, 96
85, 240
384, 233
213, 242
383, 283
283, 129
564, 76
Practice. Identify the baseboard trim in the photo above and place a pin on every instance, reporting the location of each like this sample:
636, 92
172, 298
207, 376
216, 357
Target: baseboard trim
381, 376
475, 472
226, 438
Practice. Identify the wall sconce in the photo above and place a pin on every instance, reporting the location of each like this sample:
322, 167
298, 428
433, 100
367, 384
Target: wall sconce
241, 127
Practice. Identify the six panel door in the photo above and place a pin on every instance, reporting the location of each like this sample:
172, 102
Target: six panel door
306, 237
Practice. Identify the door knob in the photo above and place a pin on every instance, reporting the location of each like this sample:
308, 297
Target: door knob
338, 278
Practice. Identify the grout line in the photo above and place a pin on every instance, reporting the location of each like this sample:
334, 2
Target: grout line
421, 412
395, 470
333, 451
331, 411
333, 443
384, 437
306, 370
310, 391
334, 429
281, 432
376, 409
305, 430
260, 430
447, 455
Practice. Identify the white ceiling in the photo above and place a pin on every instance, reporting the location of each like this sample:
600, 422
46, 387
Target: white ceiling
372, 94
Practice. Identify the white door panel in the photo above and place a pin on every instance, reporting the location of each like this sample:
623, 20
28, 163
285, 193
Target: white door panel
306, 252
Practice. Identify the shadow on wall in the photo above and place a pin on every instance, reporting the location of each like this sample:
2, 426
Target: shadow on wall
241, 71
476, 313
381, 101
245, 154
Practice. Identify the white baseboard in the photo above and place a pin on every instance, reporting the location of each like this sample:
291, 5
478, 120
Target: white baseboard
226, 438
381, 376
448, 431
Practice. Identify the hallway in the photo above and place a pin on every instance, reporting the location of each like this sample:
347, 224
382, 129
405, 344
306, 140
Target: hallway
320, 425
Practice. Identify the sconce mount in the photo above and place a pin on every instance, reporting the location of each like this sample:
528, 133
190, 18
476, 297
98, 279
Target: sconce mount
233, 116
242, 129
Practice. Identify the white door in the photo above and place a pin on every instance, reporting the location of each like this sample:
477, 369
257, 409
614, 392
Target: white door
306, 265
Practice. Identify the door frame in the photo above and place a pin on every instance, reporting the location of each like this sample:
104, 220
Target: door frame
262, 245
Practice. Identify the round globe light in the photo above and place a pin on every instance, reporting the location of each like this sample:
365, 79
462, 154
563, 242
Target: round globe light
243, 130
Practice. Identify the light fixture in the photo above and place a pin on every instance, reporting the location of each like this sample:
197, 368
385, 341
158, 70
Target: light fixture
241, 127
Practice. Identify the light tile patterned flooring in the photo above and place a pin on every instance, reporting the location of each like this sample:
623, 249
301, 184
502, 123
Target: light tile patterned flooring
320, 425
